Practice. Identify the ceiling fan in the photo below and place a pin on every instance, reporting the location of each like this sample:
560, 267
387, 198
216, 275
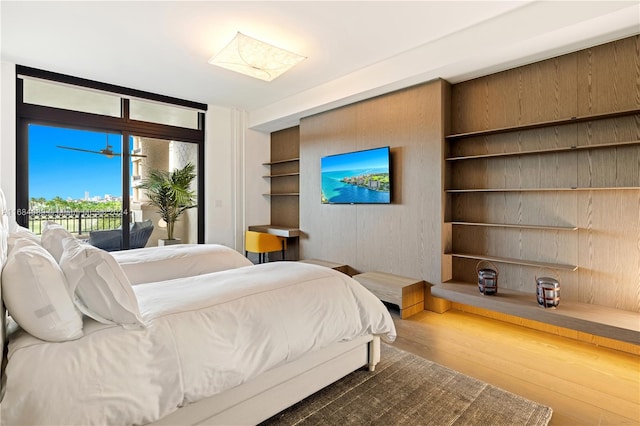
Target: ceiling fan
107, 151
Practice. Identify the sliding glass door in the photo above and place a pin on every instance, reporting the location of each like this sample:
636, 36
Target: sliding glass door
162, 155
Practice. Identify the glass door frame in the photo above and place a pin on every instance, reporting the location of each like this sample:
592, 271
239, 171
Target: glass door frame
36, 114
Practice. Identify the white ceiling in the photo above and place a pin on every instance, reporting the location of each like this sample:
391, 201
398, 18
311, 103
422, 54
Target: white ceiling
354, 49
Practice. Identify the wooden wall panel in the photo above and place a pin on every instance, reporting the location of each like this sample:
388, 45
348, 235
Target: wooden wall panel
504, 107
619, 166
404, 237
557, 170
548, 90
609, 78
533, 93
522, 141
285, 144
524, 208
466, 97
328, 231
609, 248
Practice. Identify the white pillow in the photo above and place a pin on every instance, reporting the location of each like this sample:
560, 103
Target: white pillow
102, 290
22, 232
52, 236
36, 294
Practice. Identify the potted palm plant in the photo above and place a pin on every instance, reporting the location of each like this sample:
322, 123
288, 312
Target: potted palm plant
171, 193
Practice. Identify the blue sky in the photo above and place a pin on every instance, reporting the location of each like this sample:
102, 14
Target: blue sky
370, 159
65, 173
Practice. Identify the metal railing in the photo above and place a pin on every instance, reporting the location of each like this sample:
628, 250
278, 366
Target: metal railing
76, 222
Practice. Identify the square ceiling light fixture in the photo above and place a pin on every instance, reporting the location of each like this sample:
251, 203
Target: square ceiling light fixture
255, 58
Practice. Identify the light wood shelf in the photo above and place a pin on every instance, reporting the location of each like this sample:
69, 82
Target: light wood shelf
288, 160
514, 225
281, 175
545, 151
610, 188
541, 124
513, 261
588, 318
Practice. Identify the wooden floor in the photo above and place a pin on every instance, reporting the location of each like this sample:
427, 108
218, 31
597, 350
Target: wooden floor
583, 383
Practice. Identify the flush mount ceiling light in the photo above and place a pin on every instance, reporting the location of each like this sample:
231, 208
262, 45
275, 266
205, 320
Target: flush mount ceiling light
255, 58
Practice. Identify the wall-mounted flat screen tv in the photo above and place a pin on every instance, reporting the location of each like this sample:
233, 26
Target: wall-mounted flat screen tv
357, 177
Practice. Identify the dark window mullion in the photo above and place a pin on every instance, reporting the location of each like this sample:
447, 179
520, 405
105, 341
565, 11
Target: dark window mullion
88, 121
126, 192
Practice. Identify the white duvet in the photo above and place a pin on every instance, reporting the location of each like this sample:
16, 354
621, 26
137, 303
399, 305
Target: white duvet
204, 334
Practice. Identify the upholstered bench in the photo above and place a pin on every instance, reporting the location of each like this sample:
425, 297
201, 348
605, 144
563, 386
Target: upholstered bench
406, 293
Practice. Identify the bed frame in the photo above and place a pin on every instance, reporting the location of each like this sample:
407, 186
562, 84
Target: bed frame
258, 399
281, 387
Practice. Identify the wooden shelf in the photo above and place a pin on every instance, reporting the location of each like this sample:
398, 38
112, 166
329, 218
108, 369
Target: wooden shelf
545, 151
513, 261
588, 318
281, 175
544, 124
513, 225
283, 194
539, 189
289, 160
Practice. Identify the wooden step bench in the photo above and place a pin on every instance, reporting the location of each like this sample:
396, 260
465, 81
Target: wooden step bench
406, 293
340, 267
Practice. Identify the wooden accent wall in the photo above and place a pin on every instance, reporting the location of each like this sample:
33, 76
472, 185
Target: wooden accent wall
405, 237
606, 246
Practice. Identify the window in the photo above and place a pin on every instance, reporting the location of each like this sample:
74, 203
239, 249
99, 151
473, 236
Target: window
83, 148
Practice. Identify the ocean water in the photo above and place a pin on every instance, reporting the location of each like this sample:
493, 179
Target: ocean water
336, 191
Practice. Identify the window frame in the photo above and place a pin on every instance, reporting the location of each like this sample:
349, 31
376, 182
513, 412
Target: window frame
49, 116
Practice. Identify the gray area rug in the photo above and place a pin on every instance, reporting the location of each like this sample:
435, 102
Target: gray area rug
408, 390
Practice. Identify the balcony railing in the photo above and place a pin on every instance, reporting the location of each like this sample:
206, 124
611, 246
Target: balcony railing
76, 222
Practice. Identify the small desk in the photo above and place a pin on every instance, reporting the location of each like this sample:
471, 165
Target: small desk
280, 231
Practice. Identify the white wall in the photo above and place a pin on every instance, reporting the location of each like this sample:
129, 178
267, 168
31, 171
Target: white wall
233, 158
8, 132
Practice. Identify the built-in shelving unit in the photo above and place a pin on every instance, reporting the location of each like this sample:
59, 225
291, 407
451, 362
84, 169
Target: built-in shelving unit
281, 175
288, 164
544, 151
516, 225
593, 188
585, 317
288, 160
284, 176
547, 123
542, 171
513, 261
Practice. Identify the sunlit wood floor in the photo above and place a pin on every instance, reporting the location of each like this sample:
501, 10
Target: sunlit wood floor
583, 383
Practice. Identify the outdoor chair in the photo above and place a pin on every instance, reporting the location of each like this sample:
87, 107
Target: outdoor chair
111, 239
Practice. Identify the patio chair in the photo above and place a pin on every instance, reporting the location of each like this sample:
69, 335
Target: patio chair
111, 239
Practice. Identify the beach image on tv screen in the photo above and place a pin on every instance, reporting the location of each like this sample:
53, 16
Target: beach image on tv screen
356, 177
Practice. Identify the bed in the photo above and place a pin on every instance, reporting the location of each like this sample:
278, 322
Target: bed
234, 346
